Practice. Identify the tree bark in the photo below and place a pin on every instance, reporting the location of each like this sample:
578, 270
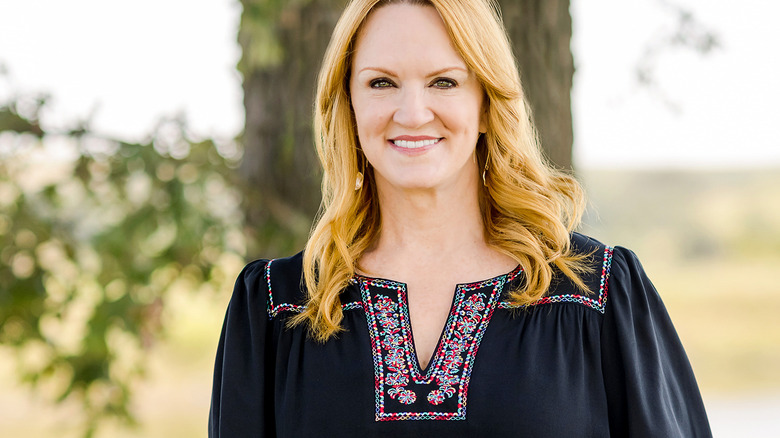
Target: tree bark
282, 44
540, 31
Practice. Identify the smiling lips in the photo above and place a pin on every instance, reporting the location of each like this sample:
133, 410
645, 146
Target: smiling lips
407, 142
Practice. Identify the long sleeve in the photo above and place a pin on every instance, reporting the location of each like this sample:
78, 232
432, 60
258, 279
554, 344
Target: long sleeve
650, 385
241, 404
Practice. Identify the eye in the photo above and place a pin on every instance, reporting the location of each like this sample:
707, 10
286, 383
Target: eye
444, 83
380, 83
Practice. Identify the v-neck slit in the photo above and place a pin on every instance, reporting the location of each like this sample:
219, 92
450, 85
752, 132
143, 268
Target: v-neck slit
423, 372
418, 369
399, 375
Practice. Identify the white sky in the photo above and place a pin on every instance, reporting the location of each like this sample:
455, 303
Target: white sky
134, 62
728, 100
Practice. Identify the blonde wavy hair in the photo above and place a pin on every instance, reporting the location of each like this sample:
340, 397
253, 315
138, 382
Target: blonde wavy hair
529, 208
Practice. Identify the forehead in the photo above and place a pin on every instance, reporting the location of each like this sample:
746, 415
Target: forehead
400, 33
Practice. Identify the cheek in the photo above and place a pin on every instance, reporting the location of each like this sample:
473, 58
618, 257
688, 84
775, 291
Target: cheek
363, 128
463, 115
359, 116
370, 118
463, 120
365, 132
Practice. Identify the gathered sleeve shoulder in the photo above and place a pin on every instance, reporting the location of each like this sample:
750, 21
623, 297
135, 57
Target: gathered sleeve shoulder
239, 399
650, 385
242, 399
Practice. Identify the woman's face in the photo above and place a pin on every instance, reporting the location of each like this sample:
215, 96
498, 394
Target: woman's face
419, 109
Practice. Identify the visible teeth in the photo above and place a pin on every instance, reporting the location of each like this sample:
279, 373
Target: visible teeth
413, 144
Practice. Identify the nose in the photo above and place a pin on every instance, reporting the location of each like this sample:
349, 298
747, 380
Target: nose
413, 109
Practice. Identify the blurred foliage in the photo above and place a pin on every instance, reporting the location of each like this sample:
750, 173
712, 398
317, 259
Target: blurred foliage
261, 21
258, 23
94, 234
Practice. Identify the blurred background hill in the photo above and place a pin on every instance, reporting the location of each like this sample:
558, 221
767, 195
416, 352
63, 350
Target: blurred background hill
129, 169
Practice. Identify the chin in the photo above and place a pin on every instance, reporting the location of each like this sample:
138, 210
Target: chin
420, 184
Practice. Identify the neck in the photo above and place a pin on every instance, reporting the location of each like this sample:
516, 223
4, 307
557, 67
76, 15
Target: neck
437, 226
431, 222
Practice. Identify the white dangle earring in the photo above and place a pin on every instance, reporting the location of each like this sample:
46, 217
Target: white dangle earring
359, 178
359, 181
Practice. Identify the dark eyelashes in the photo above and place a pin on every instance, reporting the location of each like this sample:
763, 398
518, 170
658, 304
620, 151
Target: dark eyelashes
442, 83
380, 83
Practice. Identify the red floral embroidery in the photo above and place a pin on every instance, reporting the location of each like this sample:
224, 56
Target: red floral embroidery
397, 375
469, 317
393, 344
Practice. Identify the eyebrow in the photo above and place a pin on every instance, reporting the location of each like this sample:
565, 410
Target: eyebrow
435, 73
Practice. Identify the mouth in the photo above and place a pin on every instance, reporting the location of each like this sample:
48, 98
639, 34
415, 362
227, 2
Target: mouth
415, 144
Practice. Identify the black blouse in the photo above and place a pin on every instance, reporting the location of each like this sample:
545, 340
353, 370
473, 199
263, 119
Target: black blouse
604, 364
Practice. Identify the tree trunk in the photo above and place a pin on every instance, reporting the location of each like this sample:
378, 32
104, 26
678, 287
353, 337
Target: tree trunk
283, 44
541, 34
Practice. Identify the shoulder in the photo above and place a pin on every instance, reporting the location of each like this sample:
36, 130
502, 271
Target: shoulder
614, 275
277, 283
631, 289
605, 260
597, 263
285, 285
597, 259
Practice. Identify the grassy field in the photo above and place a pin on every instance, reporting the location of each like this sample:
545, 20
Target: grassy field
709, 241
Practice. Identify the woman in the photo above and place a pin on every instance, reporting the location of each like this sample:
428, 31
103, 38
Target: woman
442, 291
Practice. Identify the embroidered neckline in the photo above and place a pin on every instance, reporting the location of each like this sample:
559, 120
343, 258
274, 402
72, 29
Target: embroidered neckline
402, 390
356, 278
598, 303
274, 310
